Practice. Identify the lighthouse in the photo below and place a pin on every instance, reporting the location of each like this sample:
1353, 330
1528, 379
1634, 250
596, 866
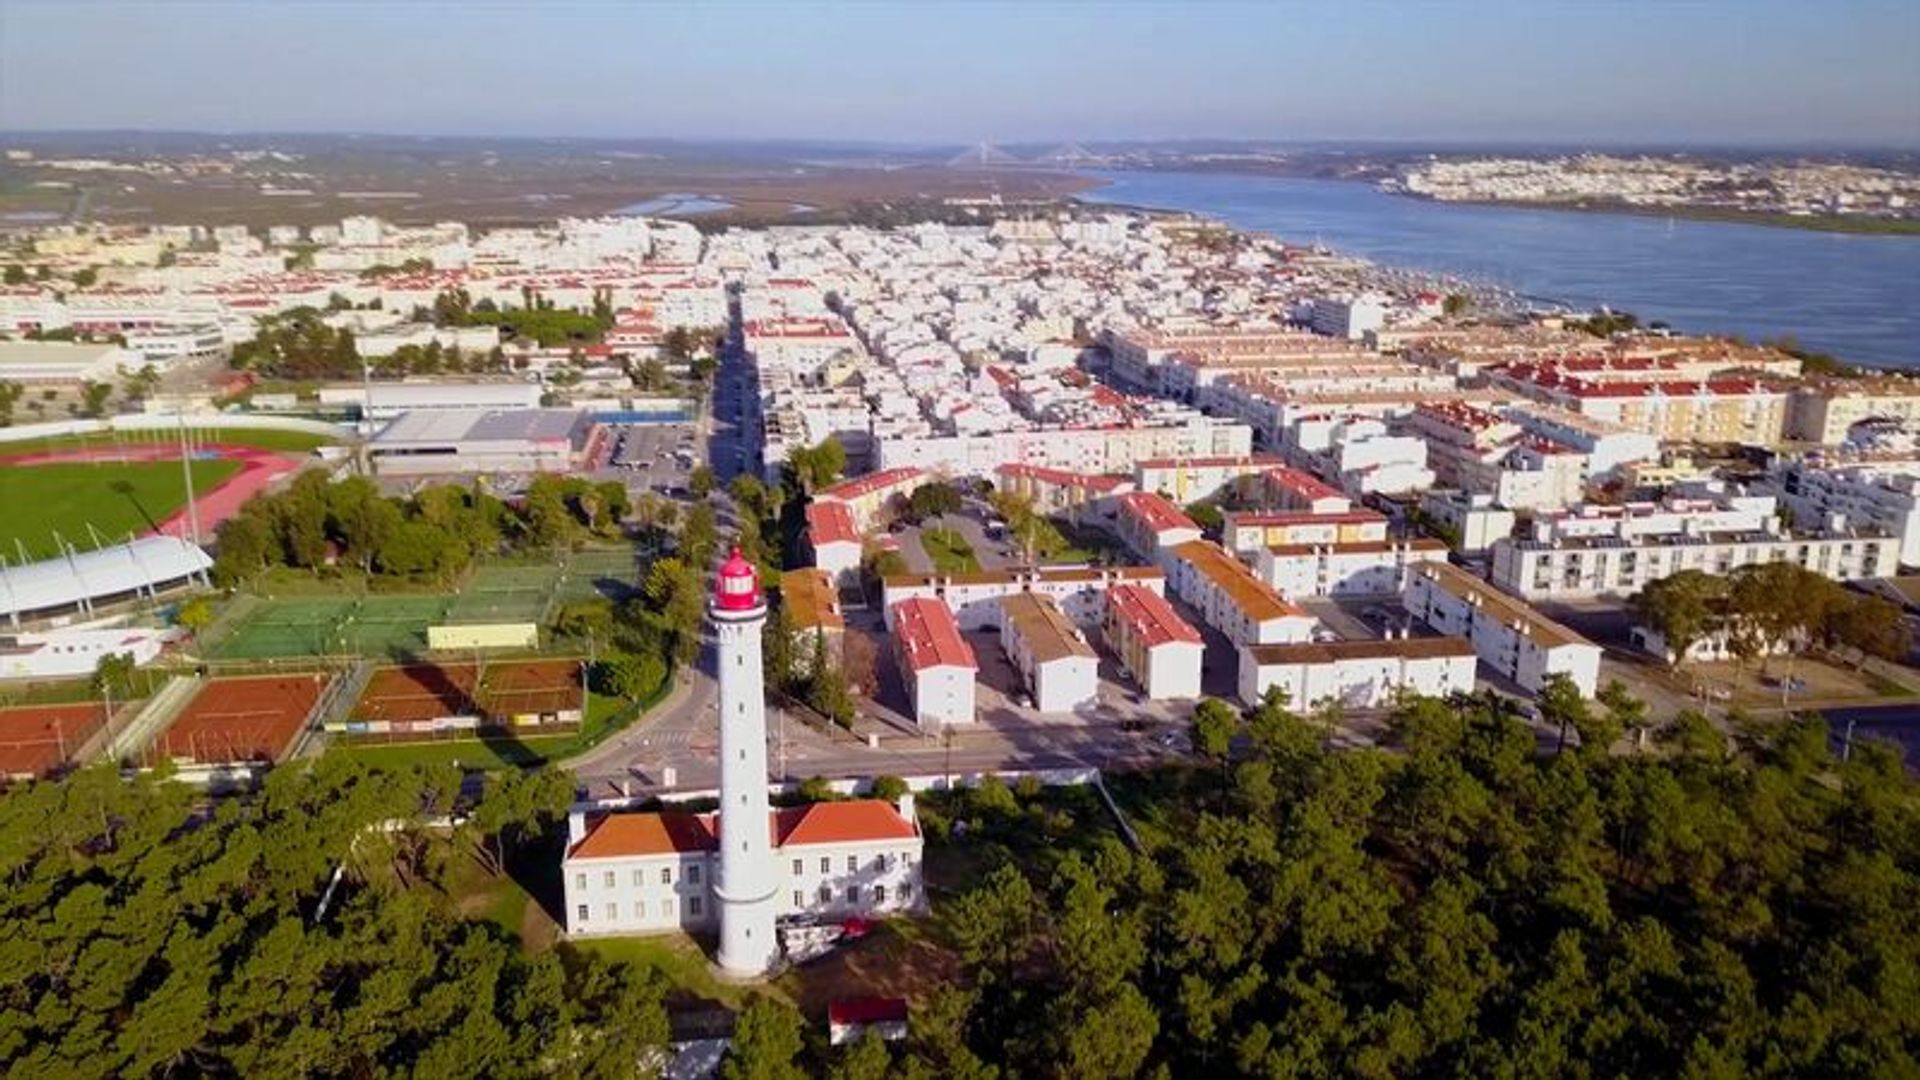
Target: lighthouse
746, 886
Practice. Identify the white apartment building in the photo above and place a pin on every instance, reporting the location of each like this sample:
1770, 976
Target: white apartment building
936, 663
1508, 635
1868, 495
165, 345
1362, 568
1350, 317
1060, 670
1150, 525
1616, 550
1186, 479
1477, 518
1162, 652
1356, 674
1232, 600
834, 540
648, 873
1248, 531
974, 598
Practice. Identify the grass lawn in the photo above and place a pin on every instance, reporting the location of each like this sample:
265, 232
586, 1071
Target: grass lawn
113, 498
1085, 544
950, 552
680, 961
468, 753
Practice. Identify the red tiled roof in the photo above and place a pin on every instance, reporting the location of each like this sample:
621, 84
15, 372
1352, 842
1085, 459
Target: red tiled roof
1302, 517
847, 490
1062, 477
1150, 616
1156, 512
615, 835
830, 523
840, 823
1304, 484
928, 636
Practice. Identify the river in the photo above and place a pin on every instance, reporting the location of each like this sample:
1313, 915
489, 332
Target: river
1855, 296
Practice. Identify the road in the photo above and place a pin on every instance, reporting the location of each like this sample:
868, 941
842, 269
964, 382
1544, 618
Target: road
733, 416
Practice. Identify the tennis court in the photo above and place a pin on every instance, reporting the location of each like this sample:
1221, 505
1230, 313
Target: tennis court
416, 700
608, 573
238, 720
499, 594
37, 739
390, 626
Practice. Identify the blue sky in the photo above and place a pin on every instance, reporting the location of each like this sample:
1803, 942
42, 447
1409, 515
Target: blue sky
1721, 71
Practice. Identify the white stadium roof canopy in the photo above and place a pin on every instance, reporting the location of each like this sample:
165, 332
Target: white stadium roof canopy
135, 566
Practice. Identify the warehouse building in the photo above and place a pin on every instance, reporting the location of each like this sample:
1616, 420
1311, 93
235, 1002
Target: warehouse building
481, 440
1161, 650
1058, 666
386, 400
59, 363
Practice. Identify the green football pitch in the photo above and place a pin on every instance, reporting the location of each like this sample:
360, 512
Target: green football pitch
114, 498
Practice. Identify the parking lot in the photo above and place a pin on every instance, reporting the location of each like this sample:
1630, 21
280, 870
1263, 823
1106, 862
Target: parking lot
660, 457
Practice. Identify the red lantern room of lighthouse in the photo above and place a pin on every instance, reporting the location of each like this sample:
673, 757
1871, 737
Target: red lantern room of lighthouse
736, 592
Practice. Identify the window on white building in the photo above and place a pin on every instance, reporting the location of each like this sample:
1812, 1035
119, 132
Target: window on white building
796, 867
853, 894
853, 863
826, 864
694, 905
879, 894
666, 909
639, 909
613, 912
880, 862
826, 895
906, 890
606, 879
693, 875
580, 913
639, 877
580, 880
666, 875
799, 899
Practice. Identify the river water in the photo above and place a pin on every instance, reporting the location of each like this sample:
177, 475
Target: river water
1855, 296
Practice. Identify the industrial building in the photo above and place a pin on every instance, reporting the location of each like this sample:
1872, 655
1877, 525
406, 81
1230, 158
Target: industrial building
481, 440
386, 400
59, 363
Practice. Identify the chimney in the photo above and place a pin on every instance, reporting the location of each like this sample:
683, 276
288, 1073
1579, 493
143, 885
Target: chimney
906, 805
576, 827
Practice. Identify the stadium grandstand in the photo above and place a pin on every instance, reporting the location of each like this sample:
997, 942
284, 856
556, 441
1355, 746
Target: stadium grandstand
83, 580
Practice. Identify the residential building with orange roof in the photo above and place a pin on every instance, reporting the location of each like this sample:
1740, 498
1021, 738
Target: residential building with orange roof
834, 539
1058, 491
1161, 650
1232, 600
648, 873
1059, 668
1246, 532
974, 597
1509, 636
1356, 674
936, 663
1356, 568
865, 497
1150, 524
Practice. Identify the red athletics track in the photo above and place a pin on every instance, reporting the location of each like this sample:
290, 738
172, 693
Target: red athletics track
259, 470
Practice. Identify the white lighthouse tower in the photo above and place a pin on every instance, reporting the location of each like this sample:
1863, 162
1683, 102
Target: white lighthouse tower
746, 886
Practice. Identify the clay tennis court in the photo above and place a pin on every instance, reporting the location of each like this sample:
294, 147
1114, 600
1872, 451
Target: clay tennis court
235, 720
416, 692
545, 687
37, 739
